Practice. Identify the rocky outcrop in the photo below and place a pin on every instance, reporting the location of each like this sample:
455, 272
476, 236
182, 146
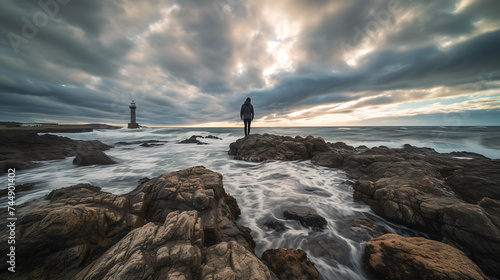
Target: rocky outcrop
194, 139
179, 225
92, 157
19, 148
256, 147
418, 187
396, 257
306, 216
455, 197
290, 264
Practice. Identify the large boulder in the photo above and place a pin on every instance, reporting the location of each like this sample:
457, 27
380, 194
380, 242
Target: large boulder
91, 158
290, 264
396, 257
306, 216
198, 189
256, 147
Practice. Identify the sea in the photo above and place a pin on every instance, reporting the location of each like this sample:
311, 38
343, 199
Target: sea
262, 189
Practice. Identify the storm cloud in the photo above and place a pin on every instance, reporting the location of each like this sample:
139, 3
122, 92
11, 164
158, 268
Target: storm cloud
302, 62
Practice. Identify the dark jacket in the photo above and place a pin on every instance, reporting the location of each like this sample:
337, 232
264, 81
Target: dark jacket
246, 112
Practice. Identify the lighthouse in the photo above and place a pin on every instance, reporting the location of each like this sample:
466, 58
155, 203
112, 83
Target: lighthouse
132, 123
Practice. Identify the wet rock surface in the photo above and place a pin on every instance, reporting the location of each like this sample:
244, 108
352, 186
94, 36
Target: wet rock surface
290, 264
393, 256
455, 197
18, 149
275, 225
180, 225
194, 139
306, 216
92, 157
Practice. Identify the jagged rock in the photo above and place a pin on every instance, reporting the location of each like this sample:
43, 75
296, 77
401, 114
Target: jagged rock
230, 260
143, 180
290, 264
92, 157
195, 188
306, 216
393, 256
167, 251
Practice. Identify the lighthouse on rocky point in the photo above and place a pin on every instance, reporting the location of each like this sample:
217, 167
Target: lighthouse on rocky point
132, 123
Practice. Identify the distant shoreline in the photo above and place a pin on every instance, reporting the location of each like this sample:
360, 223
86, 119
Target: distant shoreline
63, 128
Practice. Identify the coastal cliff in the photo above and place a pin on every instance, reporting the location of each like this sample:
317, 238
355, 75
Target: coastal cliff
454, 197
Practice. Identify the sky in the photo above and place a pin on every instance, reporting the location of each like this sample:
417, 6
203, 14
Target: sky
302, 62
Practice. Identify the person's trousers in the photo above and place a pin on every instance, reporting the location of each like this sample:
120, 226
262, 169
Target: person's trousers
247, 126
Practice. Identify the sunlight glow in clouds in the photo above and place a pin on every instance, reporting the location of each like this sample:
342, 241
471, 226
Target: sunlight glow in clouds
280, 48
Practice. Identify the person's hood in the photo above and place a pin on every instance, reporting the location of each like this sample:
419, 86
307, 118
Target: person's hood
247, 103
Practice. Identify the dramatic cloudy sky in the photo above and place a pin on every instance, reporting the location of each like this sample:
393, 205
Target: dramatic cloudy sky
303, 62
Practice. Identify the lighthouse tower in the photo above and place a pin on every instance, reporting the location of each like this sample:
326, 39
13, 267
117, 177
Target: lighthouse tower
132, 123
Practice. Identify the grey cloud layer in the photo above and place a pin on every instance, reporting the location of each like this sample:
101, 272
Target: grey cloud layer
92, 57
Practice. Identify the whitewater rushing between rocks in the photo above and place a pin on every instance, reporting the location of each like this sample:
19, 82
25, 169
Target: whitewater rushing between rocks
263, 191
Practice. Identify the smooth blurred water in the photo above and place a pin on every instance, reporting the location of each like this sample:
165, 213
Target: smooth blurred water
262, 190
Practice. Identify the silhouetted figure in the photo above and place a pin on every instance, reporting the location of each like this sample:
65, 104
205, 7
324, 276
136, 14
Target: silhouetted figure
246, 114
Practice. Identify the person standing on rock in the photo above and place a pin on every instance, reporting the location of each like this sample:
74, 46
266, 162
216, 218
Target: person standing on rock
246, 114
